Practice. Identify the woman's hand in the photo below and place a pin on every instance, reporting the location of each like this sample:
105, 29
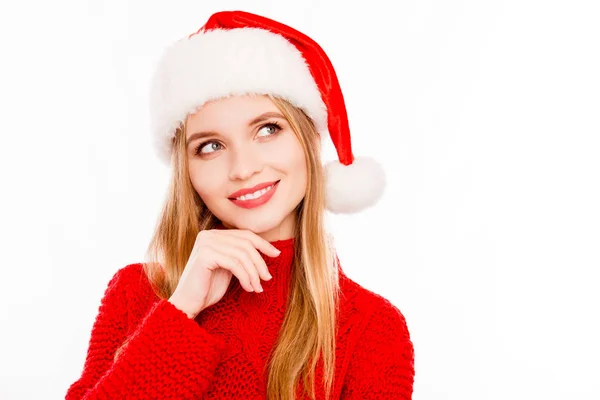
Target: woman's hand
218, 254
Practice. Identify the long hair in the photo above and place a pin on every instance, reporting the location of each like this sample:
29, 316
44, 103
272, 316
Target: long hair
308, 331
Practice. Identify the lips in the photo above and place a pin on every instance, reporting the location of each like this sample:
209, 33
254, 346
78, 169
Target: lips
256, 198
251, 190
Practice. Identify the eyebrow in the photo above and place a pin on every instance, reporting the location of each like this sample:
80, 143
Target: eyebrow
254, 121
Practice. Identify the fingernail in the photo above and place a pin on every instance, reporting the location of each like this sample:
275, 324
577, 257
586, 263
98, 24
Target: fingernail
260, 289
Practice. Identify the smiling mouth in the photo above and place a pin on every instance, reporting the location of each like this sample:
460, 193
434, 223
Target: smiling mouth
255, 195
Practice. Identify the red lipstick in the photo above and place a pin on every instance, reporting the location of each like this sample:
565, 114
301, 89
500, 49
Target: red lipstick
251, 190
255, 201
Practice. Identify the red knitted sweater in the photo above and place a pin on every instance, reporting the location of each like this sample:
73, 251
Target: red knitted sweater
222, 352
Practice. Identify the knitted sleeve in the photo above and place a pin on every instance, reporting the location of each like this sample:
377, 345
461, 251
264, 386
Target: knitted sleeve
160, 356
382, 364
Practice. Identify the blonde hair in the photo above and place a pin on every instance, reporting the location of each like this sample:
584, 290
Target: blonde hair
309, 326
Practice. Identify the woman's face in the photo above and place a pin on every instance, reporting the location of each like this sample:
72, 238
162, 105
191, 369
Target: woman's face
245, 142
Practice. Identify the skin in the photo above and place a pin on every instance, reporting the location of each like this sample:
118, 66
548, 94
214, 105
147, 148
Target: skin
236, 154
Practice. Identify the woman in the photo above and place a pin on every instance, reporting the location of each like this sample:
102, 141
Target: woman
239, 109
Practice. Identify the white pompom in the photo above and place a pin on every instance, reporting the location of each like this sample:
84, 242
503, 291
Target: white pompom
352, 188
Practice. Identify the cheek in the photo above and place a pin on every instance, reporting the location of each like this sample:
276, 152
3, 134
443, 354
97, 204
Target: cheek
294, 164
298, 166
288, 156
299, 160
208, 182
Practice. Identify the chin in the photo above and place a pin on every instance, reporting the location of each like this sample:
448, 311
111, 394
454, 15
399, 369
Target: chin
257, 223
268, 218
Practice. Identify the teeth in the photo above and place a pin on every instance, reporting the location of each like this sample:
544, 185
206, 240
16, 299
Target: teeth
254, 195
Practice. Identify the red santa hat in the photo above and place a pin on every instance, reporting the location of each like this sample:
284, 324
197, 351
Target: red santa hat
238, 53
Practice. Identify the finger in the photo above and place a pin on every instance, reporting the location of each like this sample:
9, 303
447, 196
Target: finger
232, 264
259, 243
234, 250
256, 259
245, 249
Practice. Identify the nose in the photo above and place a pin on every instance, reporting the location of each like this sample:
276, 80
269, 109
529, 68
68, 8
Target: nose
244, 164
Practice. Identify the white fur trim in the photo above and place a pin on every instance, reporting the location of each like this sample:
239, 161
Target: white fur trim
218, 63
352, 188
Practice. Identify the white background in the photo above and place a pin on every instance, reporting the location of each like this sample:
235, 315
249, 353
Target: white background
485, 115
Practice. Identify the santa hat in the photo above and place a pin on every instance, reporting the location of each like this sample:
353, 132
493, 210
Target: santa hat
238, 53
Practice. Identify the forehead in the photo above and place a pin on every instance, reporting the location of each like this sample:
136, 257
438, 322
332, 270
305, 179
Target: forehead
229, 112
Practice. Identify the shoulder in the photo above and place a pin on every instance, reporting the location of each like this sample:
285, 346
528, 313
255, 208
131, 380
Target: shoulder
129, 294
378, 314
128, 280
380, 361
382, 342
125, 275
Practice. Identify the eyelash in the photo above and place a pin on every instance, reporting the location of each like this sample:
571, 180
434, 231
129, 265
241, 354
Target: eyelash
275, 124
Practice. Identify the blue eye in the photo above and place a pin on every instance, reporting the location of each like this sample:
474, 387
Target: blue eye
211, 146
273, 129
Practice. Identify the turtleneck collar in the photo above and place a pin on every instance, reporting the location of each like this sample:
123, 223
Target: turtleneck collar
280, 268
282, 245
